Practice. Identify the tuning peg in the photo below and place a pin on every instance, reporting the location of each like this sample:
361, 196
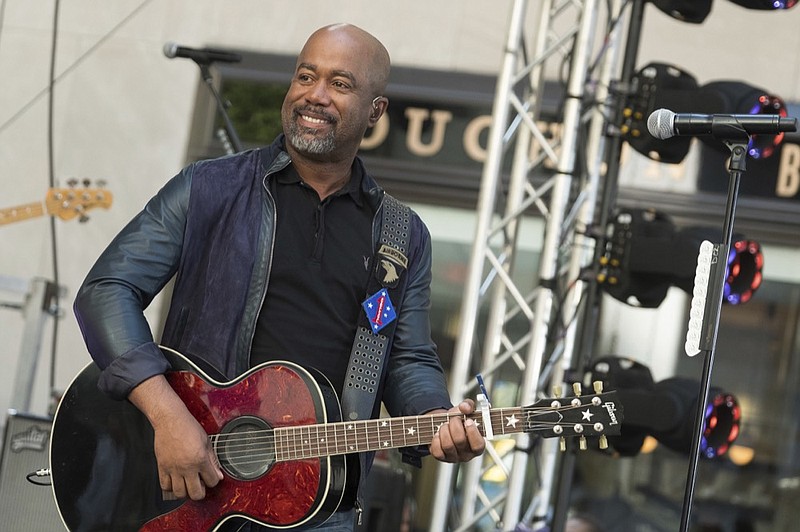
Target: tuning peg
72, 182
576, 387
558, 391
101, 183
582, 443
603, 443
598, 386
562, 444
86, 182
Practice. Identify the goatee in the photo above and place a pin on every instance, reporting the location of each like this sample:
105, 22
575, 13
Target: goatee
304, 141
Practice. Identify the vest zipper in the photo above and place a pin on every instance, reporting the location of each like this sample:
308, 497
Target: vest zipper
274, 168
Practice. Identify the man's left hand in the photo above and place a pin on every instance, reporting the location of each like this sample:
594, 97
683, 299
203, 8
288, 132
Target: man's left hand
458, 440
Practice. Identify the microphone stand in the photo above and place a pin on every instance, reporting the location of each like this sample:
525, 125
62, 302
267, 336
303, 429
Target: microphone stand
711, 317
232, 136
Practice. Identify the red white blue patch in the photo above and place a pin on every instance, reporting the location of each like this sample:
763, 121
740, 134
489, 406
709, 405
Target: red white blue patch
379, 309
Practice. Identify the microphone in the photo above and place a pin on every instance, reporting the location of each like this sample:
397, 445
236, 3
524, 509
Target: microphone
203, 56
664, 124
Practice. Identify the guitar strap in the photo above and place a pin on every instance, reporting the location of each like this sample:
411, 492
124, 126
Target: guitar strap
377, 321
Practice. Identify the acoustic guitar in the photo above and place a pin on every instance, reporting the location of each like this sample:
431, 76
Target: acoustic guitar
279, 437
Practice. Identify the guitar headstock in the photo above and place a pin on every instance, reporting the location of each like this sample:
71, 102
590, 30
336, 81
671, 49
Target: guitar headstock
68, 203
591, 415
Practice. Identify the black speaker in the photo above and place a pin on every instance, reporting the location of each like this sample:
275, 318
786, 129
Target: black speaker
23, 505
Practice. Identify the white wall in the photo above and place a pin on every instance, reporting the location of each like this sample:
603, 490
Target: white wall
122, 110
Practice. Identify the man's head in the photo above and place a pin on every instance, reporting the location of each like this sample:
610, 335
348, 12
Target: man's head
336, 93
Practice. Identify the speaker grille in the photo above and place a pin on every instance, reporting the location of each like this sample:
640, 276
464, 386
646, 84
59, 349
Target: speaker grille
24, 505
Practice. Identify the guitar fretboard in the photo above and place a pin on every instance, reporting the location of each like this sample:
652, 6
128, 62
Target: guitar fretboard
314, 441
21, 212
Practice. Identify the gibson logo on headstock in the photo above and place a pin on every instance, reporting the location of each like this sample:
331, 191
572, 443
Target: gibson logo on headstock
611, 408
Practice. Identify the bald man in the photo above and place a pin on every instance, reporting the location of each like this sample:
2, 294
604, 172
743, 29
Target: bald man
276, 254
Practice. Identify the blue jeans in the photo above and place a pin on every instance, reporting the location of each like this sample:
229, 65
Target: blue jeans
339, 522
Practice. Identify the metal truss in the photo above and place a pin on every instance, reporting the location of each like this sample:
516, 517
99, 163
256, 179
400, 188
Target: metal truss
529, 337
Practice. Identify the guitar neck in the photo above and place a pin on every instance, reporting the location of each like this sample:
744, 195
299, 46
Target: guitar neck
20, 212
314, 441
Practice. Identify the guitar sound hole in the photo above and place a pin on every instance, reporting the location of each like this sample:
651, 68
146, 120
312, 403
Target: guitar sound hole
246, 447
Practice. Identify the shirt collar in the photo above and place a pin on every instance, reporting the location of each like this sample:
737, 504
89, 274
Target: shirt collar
352, 188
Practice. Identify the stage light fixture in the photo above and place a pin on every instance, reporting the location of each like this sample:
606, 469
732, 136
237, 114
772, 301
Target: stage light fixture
761, 146
766, 4
644, 254
735, 97
664, 86
658, 86
696, 11
745, 262
692, 11
666, 410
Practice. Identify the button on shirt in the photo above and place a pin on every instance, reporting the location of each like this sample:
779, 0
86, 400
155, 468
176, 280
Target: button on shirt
320, 263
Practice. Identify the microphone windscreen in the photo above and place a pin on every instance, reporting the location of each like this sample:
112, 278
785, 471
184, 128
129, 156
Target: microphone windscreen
661, 124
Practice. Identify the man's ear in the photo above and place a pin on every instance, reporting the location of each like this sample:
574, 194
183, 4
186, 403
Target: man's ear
379, 105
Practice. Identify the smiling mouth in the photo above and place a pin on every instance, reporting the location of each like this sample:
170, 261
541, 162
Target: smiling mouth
312, 120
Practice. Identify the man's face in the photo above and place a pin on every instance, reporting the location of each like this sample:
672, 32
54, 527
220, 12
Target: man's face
327, 108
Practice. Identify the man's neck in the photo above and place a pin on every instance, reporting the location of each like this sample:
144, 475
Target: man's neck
326, 177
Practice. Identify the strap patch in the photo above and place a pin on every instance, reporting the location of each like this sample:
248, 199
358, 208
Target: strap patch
380, 310
390, 265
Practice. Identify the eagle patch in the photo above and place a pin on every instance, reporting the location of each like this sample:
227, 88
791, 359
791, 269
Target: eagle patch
390, 265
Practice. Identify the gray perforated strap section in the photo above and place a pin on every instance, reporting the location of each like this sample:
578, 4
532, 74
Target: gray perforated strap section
396, 224
364, 370
370, 350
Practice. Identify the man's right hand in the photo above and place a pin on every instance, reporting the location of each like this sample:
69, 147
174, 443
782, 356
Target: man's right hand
187, 464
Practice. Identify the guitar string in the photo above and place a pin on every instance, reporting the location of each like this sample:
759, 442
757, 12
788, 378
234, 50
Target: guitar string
394, 426
300, 442
267, 454
267, 457
362, 431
